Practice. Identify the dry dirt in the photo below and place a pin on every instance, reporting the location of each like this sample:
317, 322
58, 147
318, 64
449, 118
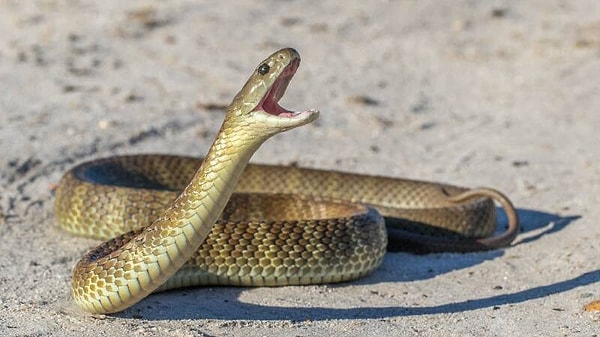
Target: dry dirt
476, 93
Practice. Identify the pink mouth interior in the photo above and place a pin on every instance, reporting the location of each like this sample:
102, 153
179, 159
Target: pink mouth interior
270, 103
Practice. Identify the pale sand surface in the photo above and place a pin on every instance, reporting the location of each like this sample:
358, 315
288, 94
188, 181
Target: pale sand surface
477, 93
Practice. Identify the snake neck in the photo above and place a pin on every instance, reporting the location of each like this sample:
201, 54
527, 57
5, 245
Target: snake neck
200, 204
205, 197
152, 257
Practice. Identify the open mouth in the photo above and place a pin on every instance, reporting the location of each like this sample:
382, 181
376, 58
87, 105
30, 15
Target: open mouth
270, 102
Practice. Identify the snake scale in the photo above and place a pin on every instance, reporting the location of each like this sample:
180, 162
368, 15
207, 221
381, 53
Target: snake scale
174, 221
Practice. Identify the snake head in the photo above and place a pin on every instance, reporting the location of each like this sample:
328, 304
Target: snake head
259, 98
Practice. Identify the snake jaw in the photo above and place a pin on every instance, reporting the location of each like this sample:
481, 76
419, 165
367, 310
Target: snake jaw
269, 103
260, 95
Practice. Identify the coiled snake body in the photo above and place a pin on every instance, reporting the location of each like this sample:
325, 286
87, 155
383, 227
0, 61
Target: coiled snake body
284, 226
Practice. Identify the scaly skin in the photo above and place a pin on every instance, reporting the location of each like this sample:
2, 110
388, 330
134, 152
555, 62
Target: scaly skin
123, 271
312, 227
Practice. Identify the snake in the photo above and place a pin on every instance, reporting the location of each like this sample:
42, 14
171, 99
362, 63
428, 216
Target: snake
175, 221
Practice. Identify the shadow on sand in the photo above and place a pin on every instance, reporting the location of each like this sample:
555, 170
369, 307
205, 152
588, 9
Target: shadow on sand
222, 302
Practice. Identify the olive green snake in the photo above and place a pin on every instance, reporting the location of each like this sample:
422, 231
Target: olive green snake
174, 221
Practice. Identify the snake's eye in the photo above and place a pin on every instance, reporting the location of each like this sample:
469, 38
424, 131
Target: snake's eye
263, 69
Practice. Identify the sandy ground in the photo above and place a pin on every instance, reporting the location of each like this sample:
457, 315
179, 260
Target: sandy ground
477, 93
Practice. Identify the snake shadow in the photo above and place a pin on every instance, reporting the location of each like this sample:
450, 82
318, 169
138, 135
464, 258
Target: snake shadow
223, 302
